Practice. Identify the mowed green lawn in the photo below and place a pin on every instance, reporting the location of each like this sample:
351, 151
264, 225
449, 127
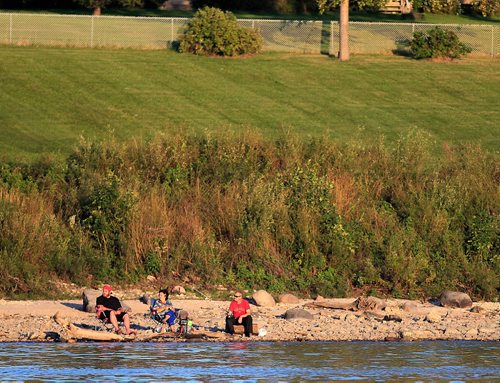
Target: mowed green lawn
51, 96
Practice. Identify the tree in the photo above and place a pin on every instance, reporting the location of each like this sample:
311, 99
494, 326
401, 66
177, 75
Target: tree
97, 5
325, 5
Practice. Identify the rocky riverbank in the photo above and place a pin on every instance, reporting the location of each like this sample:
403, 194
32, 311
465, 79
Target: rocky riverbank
325, 320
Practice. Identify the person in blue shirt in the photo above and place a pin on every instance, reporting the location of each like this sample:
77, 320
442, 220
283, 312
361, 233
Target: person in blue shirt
163, 311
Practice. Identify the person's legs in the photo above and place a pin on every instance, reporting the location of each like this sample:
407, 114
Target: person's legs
247, 324
114, 320
126, 323
230, 325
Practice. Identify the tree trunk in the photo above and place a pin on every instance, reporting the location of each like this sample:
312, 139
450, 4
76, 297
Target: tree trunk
97, 11
344, 30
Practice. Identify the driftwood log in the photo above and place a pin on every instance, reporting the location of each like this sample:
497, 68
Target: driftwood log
333, 304
360, 304
76, 333
73, 333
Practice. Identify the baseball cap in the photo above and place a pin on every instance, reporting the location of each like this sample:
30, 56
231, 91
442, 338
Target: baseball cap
107, 287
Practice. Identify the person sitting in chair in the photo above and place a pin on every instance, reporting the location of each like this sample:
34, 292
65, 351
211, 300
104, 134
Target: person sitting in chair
163, 311
239, 313
110, 309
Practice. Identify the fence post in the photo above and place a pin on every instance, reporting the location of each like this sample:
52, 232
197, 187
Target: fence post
10, 28
492, 41
253, 24
412, 28
172, 32
91, 31
330, 50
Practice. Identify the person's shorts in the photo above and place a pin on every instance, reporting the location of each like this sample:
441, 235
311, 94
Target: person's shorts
106, 314
169, 315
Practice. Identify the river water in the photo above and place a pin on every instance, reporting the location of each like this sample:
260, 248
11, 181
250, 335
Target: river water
441, 361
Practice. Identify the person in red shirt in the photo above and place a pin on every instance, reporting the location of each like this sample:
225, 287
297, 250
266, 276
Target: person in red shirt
239, 313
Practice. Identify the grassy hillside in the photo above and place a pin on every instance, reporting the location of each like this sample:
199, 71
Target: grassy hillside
50, 97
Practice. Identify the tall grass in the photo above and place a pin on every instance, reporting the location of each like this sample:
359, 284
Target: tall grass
310, 216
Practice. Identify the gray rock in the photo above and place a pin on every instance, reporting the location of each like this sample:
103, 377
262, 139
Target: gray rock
89, 296
455, 299
410, 307
264, 299
289, 299
294, 314
179, 290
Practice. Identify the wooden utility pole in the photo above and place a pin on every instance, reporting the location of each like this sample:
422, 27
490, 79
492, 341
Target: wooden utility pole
344, 31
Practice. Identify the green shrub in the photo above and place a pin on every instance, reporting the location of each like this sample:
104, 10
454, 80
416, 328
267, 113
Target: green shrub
486, 7
215, 32
152, 263
105, 213
437, 43
258, 6
369, 5
441, 6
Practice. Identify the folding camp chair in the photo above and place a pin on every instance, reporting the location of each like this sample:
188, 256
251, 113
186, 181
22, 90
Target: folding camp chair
153, 315
104, 323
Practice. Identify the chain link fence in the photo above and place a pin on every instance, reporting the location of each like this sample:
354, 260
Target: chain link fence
279, 35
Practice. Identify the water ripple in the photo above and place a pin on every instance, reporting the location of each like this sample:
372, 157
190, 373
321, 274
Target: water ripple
251, 362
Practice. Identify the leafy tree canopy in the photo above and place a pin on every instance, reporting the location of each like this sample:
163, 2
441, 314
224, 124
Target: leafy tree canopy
369, 5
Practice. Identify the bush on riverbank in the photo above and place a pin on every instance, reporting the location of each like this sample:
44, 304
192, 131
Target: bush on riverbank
311, 216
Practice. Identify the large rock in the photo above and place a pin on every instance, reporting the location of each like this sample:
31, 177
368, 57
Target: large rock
319, 298
179, 290
294, 314
411, 307
264, 299
289, 299
89, 296
455, 299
